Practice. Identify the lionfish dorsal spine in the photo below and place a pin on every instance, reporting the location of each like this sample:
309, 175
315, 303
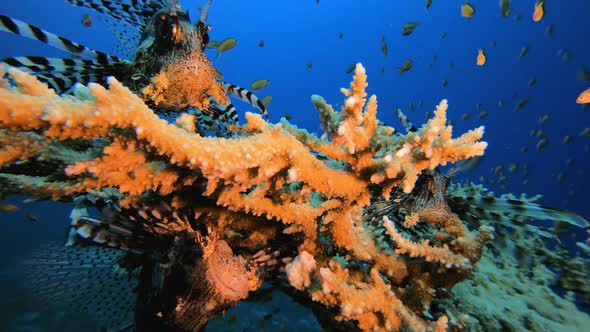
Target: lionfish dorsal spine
135, 12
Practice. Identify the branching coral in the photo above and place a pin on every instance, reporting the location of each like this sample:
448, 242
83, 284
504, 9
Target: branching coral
273, 190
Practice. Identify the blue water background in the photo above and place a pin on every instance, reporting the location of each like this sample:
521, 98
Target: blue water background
302, 31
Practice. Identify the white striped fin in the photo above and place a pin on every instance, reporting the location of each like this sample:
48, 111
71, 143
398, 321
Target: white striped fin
62, 74
37, 64
134, 12
103, 233
226, 113
206, 123
140, 229
246, 96
405, 121
21, 28
62, 83
211, 119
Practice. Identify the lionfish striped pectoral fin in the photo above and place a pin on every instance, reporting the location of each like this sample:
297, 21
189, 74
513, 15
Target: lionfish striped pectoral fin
246, 96
59, 73
21, 28
93, 281
498, 208
62, 74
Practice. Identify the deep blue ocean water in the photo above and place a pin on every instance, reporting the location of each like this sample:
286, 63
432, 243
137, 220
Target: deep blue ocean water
302, 31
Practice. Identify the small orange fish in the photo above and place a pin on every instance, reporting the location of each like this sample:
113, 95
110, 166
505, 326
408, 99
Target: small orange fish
86, 20
584, 97
8, 207
539, 11
481, 57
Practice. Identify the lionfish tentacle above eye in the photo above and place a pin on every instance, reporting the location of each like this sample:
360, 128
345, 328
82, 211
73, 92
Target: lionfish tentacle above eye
61, 74
205, 11
20, 28
135, 12
246, 96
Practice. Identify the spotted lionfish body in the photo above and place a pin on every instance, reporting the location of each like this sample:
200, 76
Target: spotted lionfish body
166, 40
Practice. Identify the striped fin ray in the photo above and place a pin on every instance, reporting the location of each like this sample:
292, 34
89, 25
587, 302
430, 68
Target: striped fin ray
134, 12
246, 96
405, 121
37, 64
113, 235
515, 210
85, 282
226, 113
204, 122
61, 74
213, 119
21, 28
139, 229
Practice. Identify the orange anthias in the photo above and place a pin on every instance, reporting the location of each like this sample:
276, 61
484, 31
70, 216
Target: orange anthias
584, 97
539, 11
481, 57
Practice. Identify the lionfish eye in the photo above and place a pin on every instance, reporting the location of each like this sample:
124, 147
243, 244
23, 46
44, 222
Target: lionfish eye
168, 27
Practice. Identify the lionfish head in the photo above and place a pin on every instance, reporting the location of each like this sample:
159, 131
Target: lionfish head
172, 28
171, 68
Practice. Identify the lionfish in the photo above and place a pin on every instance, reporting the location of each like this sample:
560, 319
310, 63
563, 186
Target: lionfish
141, 268
164, 62
435, 197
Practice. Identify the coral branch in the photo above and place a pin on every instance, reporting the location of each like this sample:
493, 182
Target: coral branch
442, 255
272, 185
